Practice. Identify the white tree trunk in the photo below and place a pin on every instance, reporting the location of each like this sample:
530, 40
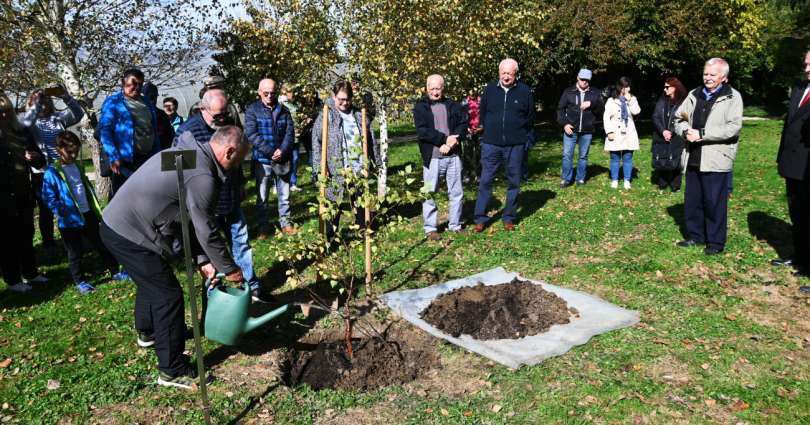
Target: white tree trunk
382, 182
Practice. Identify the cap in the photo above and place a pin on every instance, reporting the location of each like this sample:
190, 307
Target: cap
585, 74
213, 81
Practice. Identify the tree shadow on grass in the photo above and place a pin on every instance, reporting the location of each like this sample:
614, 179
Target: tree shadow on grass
677, 213
531, 201
774, 231
593, 171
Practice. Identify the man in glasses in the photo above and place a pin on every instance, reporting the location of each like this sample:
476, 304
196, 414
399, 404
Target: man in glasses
214, 114
127, 128
270, 130
576, 112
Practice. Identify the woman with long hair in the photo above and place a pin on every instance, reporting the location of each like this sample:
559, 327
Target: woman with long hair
18, 153
622, 137
667, 145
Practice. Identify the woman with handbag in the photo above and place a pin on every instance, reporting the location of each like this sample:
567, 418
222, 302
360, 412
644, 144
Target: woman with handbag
667, 146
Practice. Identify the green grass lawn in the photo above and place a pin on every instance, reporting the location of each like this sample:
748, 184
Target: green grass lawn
722, 339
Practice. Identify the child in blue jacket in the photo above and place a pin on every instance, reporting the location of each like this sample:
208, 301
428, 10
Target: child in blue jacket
69, 195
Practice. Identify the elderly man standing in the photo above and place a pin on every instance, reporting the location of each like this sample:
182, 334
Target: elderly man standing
140, 226
441, 125
577, 110
270, 130
793, 157
214, 113
507, 115
710, 119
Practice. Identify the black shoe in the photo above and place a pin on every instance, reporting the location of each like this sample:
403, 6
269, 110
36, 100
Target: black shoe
802, 272
258, 296
782, 262
580, 182
145, 340
564, 184
676, 190
712, 251
804, 290
688, 243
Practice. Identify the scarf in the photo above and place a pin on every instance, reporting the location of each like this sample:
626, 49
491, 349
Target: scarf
625, 112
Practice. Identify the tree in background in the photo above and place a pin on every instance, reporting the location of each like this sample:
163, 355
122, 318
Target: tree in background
85, 44
292, 41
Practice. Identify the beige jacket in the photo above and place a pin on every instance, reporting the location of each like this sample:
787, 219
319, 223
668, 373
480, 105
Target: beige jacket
721, 133
625, 136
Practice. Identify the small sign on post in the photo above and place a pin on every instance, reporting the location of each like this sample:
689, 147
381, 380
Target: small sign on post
179, 160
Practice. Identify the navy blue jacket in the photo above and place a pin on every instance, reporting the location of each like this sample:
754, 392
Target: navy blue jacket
507, 117
269, 129
230, 190
428, 136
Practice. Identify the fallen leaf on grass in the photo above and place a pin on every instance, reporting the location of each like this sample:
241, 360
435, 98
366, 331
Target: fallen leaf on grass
468, 413
53, 384
587, 401
496, 408
444, 412
704, 366
710, 402
428, 410
739, 406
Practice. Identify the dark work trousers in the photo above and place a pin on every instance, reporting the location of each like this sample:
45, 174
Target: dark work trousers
75, 247
17, 252
798, 197
706, 207
158, 299
669, 178
45, 221
492, 157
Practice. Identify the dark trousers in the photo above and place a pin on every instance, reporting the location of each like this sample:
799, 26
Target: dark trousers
45, 221
706, 207
798, 197
669, 178
17, 248
158, 299
492, 157
75, 247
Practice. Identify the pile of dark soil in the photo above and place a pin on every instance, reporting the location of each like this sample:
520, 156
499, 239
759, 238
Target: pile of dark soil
376, 363
506, 311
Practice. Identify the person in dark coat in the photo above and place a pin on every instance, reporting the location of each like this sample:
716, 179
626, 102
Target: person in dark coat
792, 159
18, 153
507, 115
577, 110
667, 145
165, 129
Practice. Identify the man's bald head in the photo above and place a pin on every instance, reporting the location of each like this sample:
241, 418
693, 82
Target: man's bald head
229, 146
214, 107
435, 87
268, 92
507, 72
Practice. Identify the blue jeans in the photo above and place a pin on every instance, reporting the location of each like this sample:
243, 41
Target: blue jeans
294, 166
626, 158
492, 157
264, 177
569, 144
236, 229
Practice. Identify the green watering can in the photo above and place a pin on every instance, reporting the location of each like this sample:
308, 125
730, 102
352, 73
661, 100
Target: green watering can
227, 315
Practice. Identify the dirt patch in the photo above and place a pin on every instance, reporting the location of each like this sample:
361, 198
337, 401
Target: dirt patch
399, 358
505, 311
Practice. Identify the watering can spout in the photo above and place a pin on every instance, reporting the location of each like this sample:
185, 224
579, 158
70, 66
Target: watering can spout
254, 322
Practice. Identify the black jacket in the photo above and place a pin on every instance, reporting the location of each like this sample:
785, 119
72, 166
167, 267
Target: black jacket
507, 117
568, 111
794, 148
663, 118
428, 136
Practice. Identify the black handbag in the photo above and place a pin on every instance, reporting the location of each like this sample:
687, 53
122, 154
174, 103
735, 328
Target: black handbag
664, 157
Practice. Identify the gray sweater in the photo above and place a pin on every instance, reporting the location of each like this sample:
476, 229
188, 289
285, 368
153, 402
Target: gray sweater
146, 210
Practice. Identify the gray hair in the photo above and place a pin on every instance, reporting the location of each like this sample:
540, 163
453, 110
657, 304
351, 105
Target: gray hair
434, 76
509, 61
229, 135
209, 97
724, 68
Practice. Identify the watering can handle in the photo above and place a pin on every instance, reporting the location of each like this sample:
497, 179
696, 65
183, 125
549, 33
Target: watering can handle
221, 277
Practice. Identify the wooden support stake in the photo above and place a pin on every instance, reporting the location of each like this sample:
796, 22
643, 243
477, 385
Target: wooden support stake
367, 206
322, 186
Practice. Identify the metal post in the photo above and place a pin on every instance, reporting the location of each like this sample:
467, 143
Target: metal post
192, 294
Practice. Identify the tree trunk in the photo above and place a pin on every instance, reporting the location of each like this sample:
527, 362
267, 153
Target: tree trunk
382, 182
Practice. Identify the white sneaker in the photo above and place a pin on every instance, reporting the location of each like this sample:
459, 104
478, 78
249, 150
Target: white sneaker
21, 287
295, 188
627, 185
40, 279
614, 184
